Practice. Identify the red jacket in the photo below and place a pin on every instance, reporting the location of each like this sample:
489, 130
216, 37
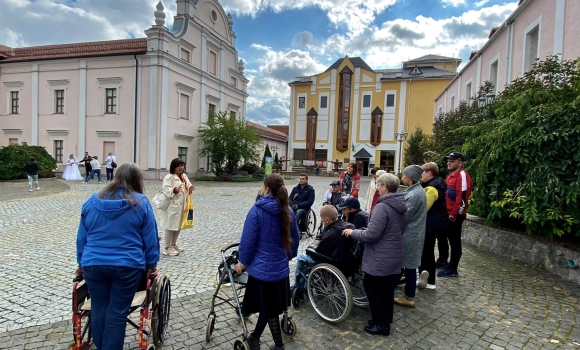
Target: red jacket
458, 192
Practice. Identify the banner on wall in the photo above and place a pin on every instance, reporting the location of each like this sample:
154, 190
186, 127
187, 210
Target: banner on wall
297, 163
269, 161
308, 163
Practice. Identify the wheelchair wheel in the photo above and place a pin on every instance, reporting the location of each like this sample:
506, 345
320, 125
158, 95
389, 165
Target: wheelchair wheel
329, 293
359, 297
311, 223
295, 298
210, 326
241, 344
161, 311
290, 329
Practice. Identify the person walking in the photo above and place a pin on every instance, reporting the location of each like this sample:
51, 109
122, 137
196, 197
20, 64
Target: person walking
109, 161
32, 173
269, 241
95, 169
116, 245
317, 169
416, 218
176, 187
350, 181
437, 221
383, 253
456, 200
87, 162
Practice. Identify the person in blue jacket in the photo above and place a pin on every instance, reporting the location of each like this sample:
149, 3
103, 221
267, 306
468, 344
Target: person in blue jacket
117, 243
269, 240
301, 199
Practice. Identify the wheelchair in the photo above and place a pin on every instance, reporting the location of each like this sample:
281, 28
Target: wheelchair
228, 276
331, 293
153, 299
307, 225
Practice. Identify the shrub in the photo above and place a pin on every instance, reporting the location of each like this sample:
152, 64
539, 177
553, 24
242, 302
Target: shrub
13, 161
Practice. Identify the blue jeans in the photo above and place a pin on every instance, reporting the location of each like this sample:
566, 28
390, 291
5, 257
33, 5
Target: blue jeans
301, 264
111, 289
93, 172
301, 213
30, 178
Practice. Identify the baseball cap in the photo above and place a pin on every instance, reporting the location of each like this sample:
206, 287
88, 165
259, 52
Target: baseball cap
455, 155
335, 183
350, 202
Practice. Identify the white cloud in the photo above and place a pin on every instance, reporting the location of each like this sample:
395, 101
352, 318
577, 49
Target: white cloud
454, 3
481, 3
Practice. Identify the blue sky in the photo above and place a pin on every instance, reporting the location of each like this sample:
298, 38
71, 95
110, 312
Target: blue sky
278, 39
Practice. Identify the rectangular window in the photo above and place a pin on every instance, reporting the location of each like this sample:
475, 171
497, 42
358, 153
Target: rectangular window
184, 106
185, 56
468, 92
311, 137
532, 43
12, 141
301, 102
453, 102
493, 75
14, 102
342, 128
58, 147
376, 131
212, 65
366, 100
321, 154
209, 164
58, 101
299, 153
323, 101
232, 114
111, 101
211, 111
234, 82
391, 100
182, 154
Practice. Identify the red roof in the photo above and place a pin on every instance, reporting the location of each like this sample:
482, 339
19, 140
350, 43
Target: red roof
96, 48
285, 129
269, 133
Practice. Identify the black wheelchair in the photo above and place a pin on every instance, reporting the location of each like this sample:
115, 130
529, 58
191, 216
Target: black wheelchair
307, 225
153, 299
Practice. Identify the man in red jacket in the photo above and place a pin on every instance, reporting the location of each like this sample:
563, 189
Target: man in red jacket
456, 199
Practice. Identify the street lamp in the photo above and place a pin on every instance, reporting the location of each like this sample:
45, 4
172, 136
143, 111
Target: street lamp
485, 100
400, 136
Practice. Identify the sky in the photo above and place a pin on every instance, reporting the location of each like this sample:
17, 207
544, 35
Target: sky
278, 40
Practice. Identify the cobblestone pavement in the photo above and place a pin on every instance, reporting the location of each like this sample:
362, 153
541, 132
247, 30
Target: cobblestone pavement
18, 189
496, 303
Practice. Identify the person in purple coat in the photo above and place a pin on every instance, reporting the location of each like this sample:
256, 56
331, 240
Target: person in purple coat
383, 253
269, 240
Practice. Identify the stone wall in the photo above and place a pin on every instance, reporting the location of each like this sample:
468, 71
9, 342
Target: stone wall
516, 245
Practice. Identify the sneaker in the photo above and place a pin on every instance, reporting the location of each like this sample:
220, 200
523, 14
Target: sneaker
170, 251
38, 188
30, 190
430, 286
422, 282
447, 273
440, 264
100, 182
178, 248
84, 182
402, 301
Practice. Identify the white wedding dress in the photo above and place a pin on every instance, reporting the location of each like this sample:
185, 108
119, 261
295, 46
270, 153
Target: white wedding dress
71, 172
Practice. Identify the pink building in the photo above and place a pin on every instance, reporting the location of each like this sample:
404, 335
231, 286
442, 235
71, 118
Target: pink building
142, 99
535, 30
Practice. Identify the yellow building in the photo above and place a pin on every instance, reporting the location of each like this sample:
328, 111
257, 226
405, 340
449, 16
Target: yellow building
351, 112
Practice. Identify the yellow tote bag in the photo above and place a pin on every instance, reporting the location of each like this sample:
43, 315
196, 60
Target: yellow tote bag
188, 220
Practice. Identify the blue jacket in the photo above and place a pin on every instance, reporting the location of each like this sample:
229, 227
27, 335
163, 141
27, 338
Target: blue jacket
302, 197
261, 243
116, 233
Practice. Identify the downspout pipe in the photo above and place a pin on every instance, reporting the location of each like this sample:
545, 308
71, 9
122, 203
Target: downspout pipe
136, 115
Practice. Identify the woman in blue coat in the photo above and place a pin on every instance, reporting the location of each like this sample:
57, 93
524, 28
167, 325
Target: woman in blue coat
269, 240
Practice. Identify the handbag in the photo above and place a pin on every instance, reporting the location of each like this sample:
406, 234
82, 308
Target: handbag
113, 165
188, 220
160, 201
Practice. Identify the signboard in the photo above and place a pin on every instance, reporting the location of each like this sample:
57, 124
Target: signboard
308, 163
269, 161
297, 163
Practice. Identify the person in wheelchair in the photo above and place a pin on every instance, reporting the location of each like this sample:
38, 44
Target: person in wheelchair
332, 245
301, 200
333, 195
116, 243
352, 213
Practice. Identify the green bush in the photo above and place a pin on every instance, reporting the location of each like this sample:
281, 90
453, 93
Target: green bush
13, 161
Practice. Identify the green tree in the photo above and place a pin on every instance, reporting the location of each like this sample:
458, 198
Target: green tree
13, 159
229, 141
413, 151
528, 150
276, 162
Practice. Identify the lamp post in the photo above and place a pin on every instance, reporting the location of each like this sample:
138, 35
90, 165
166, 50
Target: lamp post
485, 100
400, 136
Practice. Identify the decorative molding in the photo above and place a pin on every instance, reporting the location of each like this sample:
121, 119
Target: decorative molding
109, 133
13, 84
236, 73
212, 98
186, 88
62, 82
12, 131
232, 106
57, 132
184, 137
187, 45
110, 81
213, 46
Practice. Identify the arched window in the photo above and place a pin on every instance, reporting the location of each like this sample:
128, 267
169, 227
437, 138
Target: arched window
311, 134
342, 127
376, 126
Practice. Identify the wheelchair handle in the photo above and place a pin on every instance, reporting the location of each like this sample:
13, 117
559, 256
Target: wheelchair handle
78, 279
233, 245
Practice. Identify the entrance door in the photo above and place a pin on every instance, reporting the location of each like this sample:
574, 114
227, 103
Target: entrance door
364, 164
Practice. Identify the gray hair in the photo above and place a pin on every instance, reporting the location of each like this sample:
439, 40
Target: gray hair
380, 172
391, 181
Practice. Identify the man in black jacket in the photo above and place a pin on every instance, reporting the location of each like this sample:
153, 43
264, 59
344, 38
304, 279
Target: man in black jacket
302, 199
352, 213
87, 160
32, 173
332, 244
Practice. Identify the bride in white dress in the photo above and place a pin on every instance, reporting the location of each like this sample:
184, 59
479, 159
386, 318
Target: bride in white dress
71, 171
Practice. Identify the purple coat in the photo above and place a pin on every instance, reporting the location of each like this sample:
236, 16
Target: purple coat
383, 255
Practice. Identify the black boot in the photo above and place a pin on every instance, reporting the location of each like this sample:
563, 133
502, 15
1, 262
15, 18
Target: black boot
253, 342
377, 330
